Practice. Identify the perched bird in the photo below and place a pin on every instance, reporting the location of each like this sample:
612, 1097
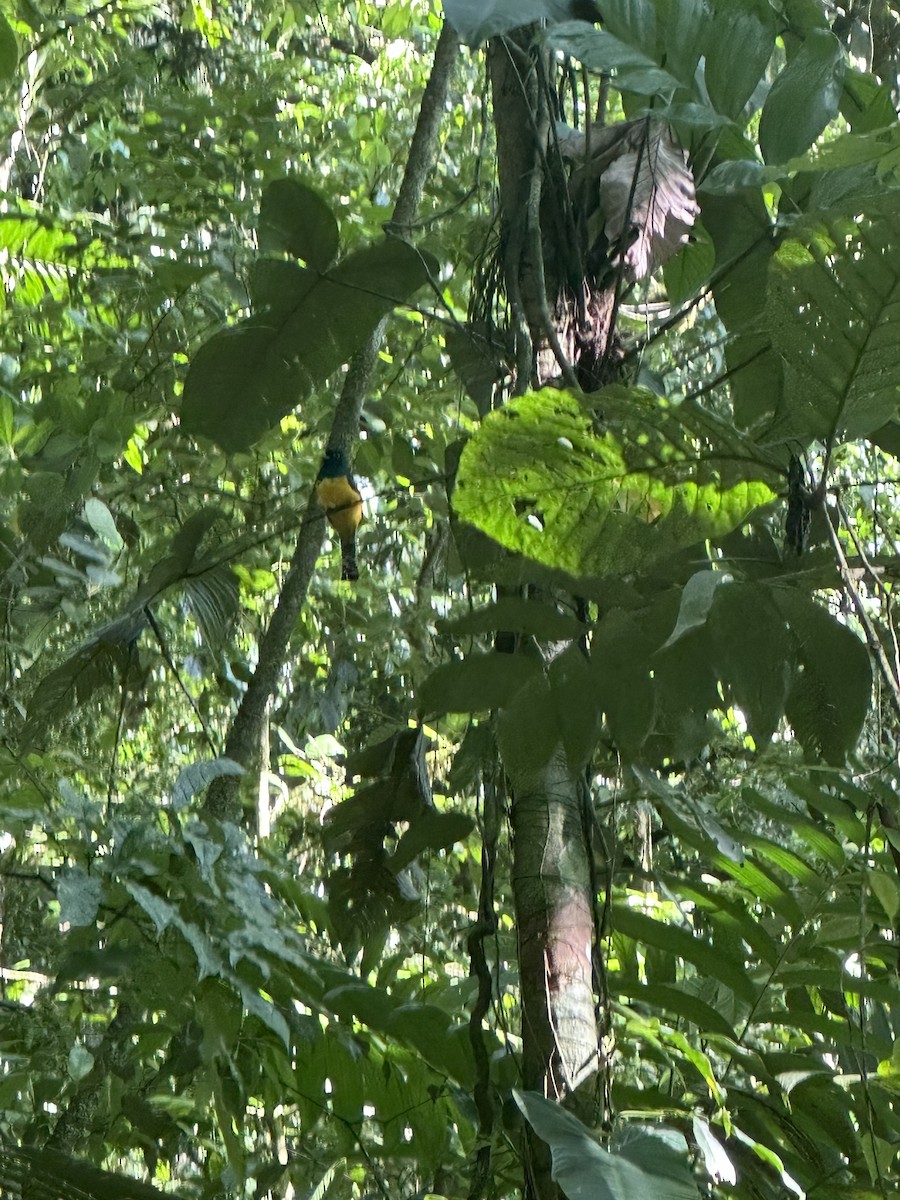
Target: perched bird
338, 495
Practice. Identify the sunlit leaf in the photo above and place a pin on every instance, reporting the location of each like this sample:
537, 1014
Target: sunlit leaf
545, 479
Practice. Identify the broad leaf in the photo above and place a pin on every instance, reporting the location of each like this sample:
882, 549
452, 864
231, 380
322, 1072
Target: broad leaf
513, 614
656, 1165
246, 378
632, 66
430, 831
735, 64
9, 50
213, 598
196, 777
804, 98
594, 497
294, 219
830, 693
686, 27
648, 191
696, 602
479, 683
101, 663
752, 655
833, 317
477, 20
620, 667
79, 896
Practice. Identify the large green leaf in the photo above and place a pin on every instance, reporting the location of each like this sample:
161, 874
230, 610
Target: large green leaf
294, 219
635, 70
9, 50
744, 619
101, 663
655, 1164
735, 64
833, 315
306, 325
804, 98
620, 666
830, 693
608, 492
478, 683
477, 20
686, 25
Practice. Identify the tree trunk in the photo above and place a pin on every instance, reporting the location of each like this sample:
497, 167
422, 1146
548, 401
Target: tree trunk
552, 883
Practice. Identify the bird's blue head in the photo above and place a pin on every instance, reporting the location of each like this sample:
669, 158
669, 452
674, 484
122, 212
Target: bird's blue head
334, 464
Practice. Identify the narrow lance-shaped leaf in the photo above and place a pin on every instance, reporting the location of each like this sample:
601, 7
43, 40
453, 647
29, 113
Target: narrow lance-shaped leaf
599, 495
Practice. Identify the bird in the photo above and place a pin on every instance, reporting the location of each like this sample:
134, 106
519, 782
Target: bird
338, 495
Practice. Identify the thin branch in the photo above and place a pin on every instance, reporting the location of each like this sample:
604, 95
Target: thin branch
874, 642
245, 737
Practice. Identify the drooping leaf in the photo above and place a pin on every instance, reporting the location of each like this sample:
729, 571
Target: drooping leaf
528, 729
696, 601
830, 693
477, 20
541, 478
585, 1171
525, 615
100, 664
752, 655
648, 188
684, 33
79, 896
196, 777
103, 524
574, 698
719, 1166
708, 958
804, 98
479, 683
620, 667
307, 324
213, 597
430, 831
9, 50
633, 66
182, 553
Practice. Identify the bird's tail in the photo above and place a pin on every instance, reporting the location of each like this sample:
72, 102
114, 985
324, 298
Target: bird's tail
349, 567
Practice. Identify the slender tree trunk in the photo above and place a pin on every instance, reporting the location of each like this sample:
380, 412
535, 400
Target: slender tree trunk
245, 737
552, 881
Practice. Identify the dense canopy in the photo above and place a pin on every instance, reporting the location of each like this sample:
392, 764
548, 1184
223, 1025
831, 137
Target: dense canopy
557, 855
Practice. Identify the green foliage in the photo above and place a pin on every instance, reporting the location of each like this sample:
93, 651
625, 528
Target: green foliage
307, 321
603, 490
191, 248
650, 1160
810, 85
830, 308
